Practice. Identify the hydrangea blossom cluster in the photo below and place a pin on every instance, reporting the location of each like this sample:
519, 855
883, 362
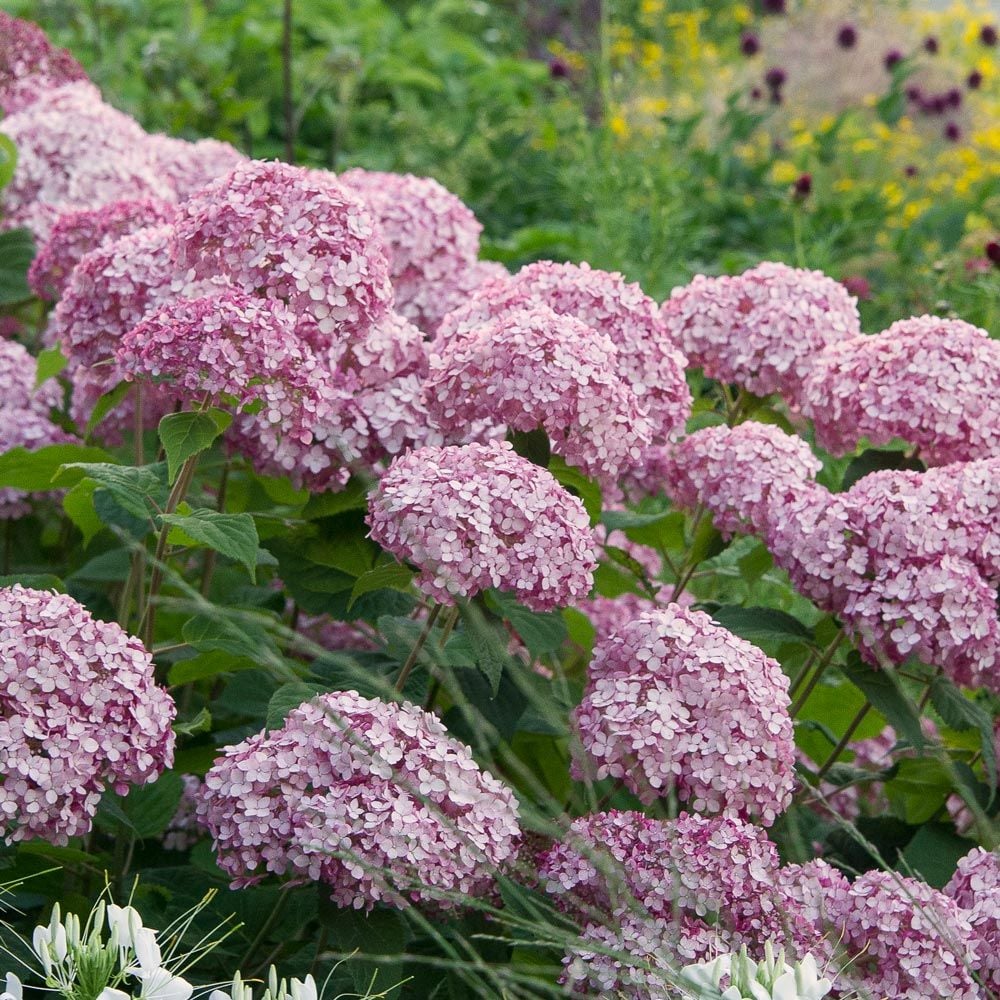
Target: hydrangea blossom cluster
77, 233
59, 166
975, 887
24, 416
430, 235
533, 368
739, 473
228, 344
665, 890
29, 63
79, 710
479, 516
674, 702
372, 799
909, 939
292, 234
647, 357
761, 329
932, 382
189, 166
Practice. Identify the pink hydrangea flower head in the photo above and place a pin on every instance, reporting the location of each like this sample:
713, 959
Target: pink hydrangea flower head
18, 371
77, 233
907, 939
761, 329
110, 291
372, 799
228, 344
60, 168
975, 887
79, 711
189, 166
674, 702
739, 473
292, 234
478, 516
932, 382
431, 237
392, 346
713, 880
647, 357
28, 58
533, 368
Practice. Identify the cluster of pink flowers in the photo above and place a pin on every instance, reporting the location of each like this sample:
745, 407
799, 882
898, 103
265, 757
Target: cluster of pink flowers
676, 703
29, 63
288, 233
229, 344
661, 893
479, 516
79, 710
24, 416
533, 368
739, 473
907, 560
431, 237
647, 357
75, 234
975, 887
372, 799
907, 939
932, 382
762, 329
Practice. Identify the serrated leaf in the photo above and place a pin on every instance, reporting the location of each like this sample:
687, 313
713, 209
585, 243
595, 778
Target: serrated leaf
489, 650
392, 576
665, 532
288, 697
757, 624
136, 489
50, 363
579, 485
231, 535
106, 403
33, 470
541, 631
206, 634
961, 713
17, 250
190, 433
883, 690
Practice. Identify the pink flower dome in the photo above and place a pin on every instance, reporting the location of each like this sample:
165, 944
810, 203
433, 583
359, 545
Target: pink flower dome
975, 887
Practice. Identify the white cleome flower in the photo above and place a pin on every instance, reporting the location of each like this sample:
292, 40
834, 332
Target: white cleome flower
770, 979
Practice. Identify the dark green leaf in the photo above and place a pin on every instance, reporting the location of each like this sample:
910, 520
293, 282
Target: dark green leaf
391, 575
150, 808
17, 250
877, 461
579, 485
541, 632
79, 506
532, 445
206, 633
34, 581
488, 648
883, 690
201, 723
189, 433
934, 853
109, 567
205, 665
288, 697
761, 624
34, 470
231, 535
961, 713
137, 489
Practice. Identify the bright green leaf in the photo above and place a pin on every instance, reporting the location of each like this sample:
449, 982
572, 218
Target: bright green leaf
392, 576
50, 363
17, 250
189, 433
231, 535
34, 470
